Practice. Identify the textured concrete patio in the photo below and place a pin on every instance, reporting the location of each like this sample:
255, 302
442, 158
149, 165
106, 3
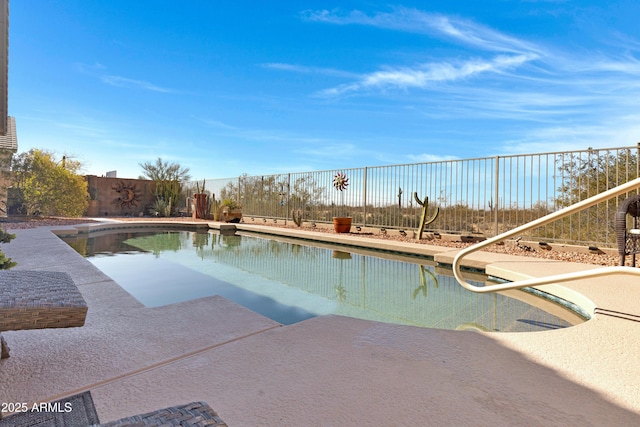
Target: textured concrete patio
331, 370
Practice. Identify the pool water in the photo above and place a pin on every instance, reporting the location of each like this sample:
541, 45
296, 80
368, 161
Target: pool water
290, 282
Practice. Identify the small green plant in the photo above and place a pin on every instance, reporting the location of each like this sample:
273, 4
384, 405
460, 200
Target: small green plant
160, 208
6, 263
229, 203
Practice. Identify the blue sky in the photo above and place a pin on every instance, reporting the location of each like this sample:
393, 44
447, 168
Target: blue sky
261, 87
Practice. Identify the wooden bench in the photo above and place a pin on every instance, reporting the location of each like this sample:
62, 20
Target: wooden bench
38, 300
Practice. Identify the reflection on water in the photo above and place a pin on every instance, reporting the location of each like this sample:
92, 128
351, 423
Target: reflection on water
292, 282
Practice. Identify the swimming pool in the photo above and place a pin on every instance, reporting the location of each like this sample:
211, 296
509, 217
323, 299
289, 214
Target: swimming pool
290, 281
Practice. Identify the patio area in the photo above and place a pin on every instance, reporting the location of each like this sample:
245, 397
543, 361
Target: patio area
329, 370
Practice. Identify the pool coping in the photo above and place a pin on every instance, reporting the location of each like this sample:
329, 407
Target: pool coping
257, 384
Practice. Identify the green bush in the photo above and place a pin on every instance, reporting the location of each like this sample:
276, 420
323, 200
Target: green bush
50, 186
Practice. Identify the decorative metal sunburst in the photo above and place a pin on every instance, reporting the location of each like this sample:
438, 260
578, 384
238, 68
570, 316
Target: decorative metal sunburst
128, 195
340, 181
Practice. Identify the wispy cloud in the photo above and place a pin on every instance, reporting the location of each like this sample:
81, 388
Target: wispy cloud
416, 21
609, 132
505, 52
625, 65
124, 82
328, 149
99, 71
309, 70
217, 124
427, 74
277, 136
65, 121
505, 78
426, 158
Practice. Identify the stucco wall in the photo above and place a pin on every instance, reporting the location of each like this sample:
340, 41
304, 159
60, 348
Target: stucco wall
118, 196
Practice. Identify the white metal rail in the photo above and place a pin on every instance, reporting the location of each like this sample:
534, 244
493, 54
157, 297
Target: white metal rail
560, 278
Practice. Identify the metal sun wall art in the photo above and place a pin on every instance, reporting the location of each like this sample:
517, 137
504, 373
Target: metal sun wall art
128, 195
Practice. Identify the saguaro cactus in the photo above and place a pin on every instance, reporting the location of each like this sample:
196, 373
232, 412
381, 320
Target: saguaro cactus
296, 214
423, 218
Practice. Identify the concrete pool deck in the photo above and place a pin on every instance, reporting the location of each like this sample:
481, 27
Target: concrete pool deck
331, 370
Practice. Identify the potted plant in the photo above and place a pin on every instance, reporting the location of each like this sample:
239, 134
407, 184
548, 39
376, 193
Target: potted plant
231, 211
200, 202
341, 224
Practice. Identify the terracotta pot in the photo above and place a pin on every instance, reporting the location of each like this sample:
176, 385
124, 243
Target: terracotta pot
200, 204
342, 225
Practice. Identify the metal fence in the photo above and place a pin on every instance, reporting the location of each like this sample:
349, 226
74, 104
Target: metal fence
483, 196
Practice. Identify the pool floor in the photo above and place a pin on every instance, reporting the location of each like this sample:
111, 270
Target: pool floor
291, 282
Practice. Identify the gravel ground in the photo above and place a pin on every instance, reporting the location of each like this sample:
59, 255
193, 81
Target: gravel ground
33, 222
587, 258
